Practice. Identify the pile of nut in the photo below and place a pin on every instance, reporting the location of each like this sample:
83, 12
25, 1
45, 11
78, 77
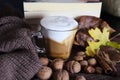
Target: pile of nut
59, 69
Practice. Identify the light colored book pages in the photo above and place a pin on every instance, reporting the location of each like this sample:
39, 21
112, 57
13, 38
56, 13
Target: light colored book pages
58, 1
41, 9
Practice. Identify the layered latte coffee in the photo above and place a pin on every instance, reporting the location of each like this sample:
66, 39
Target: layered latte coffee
58, 33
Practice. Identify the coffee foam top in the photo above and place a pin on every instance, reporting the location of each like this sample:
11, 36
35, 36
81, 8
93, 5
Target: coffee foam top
60, 23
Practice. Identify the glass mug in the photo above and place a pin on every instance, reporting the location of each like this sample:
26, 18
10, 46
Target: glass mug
58, 33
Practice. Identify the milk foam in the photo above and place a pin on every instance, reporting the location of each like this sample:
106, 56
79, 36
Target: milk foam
60, 23
58, 28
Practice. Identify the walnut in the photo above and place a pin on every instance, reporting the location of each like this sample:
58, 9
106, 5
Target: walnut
81, 53
44, 73
92, 61
57, 64
44, 61
73, 66
98, 70
89, 69
61, 74
84, 63
78, 58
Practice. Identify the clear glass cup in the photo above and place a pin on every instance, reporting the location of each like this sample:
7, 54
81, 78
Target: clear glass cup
58, 33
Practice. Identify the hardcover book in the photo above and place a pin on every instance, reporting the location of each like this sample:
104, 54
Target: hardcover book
35, 9
71, 8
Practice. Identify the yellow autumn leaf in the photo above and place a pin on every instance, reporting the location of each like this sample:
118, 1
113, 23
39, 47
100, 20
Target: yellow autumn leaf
99, 38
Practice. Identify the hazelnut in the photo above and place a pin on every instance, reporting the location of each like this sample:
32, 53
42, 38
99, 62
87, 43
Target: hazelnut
78, 58
84, 63
89, 69
98, 70
61, 74
92, 61
44, 61
57, 64
80, 78
73, 66
44, 73
81, 53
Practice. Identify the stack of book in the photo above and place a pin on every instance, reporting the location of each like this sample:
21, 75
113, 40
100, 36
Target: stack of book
34, 10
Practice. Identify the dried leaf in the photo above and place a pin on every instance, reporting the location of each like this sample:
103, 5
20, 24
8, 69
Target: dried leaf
99, 38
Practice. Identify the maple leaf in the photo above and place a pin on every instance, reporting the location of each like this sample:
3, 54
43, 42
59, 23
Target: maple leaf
99, 38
